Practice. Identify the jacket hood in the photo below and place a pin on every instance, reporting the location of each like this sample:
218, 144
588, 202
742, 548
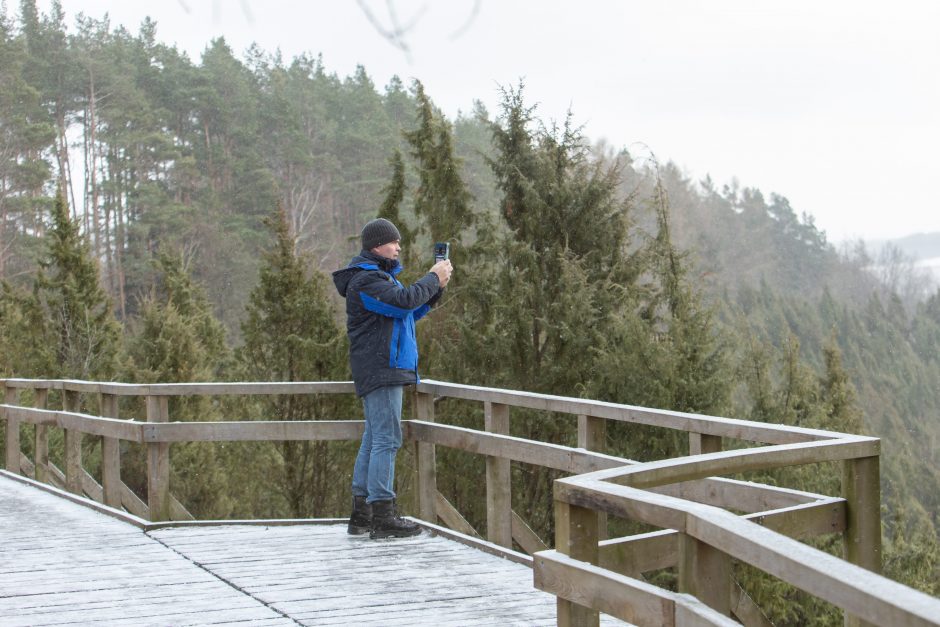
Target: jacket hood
365, 260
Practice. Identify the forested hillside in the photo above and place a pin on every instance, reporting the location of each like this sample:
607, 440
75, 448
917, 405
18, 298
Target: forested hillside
169, 219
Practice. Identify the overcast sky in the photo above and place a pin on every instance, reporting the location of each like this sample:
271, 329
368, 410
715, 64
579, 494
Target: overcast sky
833, 104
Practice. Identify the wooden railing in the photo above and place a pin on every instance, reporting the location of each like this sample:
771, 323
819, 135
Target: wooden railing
589, 573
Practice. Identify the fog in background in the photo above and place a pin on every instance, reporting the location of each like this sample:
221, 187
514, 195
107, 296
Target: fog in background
833, 105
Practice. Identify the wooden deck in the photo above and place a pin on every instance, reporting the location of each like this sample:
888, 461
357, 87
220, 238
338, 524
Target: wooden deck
63, 563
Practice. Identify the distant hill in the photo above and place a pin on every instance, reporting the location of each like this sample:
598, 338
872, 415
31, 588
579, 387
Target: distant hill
924, 248
919, 245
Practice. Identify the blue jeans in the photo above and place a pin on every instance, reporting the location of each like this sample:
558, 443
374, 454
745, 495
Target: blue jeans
374, 472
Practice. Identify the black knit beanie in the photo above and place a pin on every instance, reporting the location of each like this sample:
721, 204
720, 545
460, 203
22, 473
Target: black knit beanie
377, 232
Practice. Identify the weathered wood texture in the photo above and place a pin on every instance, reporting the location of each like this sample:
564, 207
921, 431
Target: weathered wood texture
158, 463
63, 564
693, 423
498, 480
858, 591
426, 462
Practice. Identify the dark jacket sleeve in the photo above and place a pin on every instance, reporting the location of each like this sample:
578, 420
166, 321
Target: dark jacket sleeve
381, 295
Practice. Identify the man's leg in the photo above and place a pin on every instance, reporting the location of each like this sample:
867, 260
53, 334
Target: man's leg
383, 416
360, 520
383, 411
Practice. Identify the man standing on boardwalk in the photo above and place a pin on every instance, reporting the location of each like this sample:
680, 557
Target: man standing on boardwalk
383, 353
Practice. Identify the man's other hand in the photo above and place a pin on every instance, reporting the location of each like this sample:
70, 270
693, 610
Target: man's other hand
443, 270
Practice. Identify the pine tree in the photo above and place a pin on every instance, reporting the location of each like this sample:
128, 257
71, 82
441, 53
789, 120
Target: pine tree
177, 339
441, 201
291, 335
81, 322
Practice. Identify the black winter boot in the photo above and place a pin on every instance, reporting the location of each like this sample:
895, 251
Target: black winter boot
360, 521
386, 523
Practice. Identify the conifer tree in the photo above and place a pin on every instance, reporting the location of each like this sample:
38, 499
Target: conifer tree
291, 335
81, 324
441, 200
177, 339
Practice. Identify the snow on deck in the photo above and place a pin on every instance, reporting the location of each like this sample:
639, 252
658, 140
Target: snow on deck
62, 563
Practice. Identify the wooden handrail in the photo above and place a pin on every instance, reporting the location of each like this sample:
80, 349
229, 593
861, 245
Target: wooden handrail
857, 590
680, 495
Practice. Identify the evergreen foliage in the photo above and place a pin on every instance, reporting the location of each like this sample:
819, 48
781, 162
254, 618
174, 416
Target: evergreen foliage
79, 323
291, 335
577, 272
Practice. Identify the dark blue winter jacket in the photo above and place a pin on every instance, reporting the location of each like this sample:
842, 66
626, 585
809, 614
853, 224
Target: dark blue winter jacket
380, 320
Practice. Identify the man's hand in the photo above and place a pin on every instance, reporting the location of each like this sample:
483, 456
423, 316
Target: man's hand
443, 270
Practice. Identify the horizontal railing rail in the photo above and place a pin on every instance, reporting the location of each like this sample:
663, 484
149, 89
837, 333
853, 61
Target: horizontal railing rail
686, 498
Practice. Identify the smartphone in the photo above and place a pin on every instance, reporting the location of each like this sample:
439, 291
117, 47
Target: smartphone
441, 251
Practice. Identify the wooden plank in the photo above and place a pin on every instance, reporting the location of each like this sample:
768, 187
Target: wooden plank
642, 553
592, 433
631, 600
12, 439
73, 461
158, 463
230, 389
555, 456
41, 439
700, 443
743, 496
576, 537
530, 542
91, 425
110, 456
697, 423
132, 503
705, 573
452, 518
253, 431
498, 480
746, 610
592, 436
861, 487
426, 462
679, 469
855, 589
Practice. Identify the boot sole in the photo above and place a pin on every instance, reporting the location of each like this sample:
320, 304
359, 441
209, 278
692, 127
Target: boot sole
357, 531
384, 535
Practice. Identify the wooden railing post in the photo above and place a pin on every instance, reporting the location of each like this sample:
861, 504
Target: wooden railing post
592, 436
158, 463
71, 402
498, 480
41, 443
701, 443
10, 397
576, 536
110, 456
426, 462
705, 573
861, 489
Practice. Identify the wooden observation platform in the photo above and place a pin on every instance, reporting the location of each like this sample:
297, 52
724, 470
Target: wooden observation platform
137, 561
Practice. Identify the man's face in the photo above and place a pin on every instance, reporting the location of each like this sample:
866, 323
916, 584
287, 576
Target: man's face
389, 251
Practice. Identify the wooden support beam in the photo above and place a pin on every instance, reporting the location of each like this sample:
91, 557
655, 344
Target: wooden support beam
861, 488
71, 402
41, 439
524, 536
746, 610
453, 518
700, 443
705, 573
426, 462
498, 480
158, 463
10, 397
110, 456
592, 436
576, 537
